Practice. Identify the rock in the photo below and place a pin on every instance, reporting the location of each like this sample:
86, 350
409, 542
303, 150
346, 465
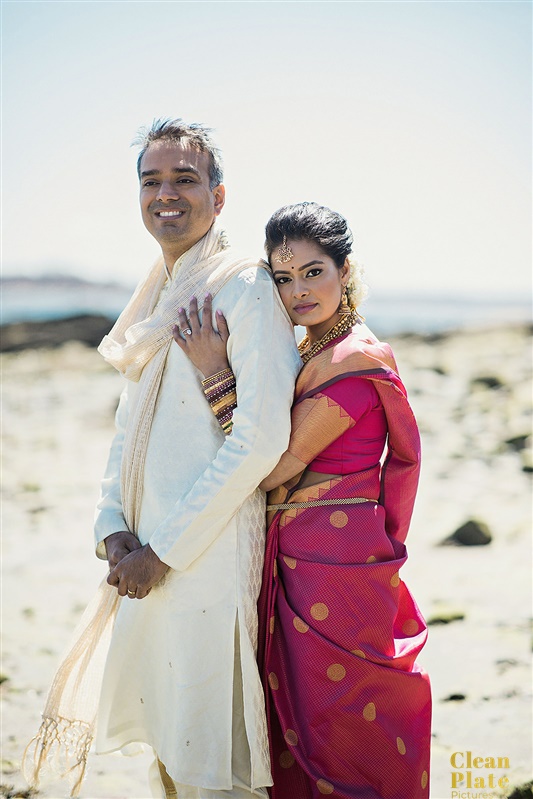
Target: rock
445, 615
518, 443
488, 381
524, 791
10, 792
472, 533
526, 456
455, 698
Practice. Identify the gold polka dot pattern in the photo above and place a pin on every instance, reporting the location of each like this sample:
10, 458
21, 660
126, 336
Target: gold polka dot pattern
369, 711
319, 611
291, 562
359, 653
401, 746
371, 559
300, 625
286, 760
272, 624
395, 580
325, 787
338, 519
291, 738
410, 627
336, 672
273, 681
424, 780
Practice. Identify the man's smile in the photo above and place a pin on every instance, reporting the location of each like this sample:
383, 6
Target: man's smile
169, 214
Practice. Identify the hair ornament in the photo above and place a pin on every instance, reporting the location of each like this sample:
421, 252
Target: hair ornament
284, 252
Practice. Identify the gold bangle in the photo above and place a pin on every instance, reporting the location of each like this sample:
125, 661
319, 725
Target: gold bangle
208, 380
224, 402
224, 385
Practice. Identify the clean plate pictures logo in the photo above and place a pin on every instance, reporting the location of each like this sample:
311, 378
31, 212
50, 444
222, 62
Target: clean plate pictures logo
477, 773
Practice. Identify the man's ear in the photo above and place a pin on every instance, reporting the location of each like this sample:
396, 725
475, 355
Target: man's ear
219, 193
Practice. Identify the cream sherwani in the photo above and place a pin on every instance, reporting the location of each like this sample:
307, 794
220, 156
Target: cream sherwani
169, 674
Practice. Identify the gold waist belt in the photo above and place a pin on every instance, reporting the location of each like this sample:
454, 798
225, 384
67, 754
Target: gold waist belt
320, 502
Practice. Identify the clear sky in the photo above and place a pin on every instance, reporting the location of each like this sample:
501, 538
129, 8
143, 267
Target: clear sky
411, 118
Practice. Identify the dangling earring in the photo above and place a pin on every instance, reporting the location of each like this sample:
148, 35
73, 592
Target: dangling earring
344, 308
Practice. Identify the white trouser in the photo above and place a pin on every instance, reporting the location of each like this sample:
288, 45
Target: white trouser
240, 758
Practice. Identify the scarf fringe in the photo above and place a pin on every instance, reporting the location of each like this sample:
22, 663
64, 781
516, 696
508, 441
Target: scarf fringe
62, 743
60, 748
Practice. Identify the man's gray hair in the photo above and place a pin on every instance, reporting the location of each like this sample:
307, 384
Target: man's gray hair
196, 135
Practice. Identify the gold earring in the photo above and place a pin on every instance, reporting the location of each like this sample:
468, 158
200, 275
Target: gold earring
344, 308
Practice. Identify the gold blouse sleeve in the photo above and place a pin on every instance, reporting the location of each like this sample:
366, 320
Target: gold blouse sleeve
316, 423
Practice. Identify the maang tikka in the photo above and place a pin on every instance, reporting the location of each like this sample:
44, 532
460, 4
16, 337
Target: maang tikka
284, 252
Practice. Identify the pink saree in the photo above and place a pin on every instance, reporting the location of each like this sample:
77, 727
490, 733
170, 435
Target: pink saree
348, 708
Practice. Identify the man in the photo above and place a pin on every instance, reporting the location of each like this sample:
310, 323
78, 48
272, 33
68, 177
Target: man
180, 520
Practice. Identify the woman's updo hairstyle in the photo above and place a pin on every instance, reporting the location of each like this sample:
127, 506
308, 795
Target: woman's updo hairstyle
328, 229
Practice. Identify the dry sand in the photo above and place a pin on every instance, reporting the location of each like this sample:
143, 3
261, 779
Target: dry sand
58, 424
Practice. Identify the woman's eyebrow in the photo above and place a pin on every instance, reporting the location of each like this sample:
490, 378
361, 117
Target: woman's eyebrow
305, 266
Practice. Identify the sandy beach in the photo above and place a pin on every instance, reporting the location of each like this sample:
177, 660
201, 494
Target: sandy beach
471, 392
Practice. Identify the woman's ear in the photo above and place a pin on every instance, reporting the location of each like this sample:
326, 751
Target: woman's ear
345, 272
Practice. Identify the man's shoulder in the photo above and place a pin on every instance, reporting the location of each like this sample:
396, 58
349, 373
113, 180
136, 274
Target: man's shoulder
253, 274
252, 270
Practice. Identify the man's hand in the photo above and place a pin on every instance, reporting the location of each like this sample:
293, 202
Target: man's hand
136, 574
118, 545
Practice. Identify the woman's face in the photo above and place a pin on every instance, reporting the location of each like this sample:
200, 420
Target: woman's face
310, 285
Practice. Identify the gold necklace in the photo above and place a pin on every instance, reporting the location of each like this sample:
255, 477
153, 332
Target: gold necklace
339, 328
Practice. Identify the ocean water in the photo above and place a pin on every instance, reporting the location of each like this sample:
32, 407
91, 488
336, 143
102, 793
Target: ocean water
28, 300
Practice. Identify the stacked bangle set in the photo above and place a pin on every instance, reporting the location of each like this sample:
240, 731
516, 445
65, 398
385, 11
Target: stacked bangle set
220, 390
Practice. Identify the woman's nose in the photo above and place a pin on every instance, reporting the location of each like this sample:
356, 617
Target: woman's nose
299, 289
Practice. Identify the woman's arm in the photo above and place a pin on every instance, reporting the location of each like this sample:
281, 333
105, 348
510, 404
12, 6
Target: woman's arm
318, 421
288, 467
315, 424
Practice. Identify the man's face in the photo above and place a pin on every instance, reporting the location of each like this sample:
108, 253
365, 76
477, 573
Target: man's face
177, 205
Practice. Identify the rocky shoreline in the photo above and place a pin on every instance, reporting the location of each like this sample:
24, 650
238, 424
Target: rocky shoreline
88, 329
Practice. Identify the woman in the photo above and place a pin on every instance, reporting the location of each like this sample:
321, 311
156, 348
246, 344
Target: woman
348, 709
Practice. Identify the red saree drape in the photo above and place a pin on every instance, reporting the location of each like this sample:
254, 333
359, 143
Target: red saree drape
347, 706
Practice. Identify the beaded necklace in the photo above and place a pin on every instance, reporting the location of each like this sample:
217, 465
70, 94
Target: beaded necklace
339, 328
